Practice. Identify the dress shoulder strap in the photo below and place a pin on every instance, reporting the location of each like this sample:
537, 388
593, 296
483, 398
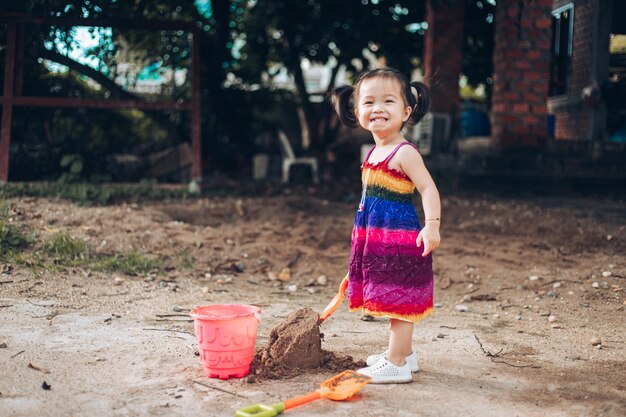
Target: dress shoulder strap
396, 150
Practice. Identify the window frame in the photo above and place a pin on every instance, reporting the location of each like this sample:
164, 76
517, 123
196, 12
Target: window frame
556, 46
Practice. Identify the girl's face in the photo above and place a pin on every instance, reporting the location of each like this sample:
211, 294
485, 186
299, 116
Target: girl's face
380, 106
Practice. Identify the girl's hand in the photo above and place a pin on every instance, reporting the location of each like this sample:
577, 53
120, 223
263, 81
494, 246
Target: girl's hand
429, 236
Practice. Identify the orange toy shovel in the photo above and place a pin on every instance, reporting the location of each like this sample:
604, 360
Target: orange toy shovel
336, 301
339, 387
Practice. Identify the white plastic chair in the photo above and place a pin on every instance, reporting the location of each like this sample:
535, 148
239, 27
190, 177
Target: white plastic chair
290, 158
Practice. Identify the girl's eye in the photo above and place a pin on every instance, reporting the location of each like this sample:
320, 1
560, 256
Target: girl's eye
388, 101
368, 102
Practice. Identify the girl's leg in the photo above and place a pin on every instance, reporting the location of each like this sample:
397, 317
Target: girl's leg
400, 341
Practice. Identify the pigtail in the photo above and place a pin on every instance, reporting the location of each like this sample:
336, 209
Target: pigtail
420, 102
341, 98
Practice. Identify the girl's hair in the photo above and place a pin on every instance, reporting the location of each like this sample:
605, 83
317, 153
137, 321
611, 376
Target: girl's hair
344, 97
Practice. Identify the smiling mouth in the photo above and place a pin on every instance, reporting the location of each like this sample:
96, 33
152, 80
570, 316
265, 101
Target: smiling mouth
378, 120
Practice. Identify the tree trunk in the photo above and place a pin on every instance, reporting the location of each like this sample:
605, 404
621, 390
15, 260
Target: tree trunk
305, 103
329, 131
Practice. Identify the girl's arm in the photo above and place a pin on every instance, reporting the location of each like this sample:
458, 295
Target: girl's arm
413, 166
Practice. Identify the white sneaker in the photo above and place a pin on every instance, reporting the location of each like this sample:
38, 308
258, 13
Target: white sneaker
385, 372
411, 360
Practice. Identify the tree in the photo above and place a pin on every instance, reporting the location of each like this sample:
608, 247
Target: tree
278, 33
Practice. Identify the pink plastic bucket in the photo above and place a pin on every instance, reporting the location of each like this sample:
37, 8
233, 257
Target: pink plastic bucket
226, 334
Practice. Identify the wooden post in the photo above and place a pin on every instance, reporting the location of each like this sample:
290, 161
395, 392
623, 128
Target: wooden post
7, 104
19, 60
196, 132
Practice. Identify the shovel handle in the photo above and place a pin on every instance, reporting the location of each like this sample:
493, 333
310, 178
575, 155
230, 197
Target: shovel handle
303, 399
336, 301
262, 410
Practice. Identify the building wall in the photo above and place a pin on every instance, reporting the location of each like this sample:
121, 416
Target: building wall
521, 73
443, 55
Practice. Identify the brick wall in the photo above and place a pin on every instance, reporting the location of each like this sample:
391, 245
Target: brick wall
521, 60
443, 55
572, 116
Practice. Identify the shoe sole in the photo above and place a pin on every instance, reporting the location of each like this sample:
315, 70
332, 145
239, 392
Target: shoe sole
392, 381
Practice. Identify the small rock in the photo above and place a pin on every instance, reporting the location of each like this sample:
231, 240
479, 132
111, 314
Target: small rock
441, 335
312, 290
176, 308
527, 306
230, 242
272, 276
556, 326
461, 307
496, 316
544, 313
205, 290
595, 341
552, 294
606, 274
596, 284
261, 262
551, 319
573, 358
208, 275
556, 285
518, 317
292, 288
533, 277
284, 275
609, 237
118, 281
322, 280
3, 346
438, 305
239, 266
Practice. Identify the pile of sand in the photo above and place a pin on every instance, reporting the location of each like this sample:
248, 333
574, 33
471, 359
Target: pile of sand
295, 345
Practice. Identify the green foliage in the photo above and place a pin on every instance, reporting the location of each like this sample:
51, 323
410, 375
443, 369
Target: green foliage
94, 194
73, 163
63, 251
66, 247
244, 44
12, 239
187, 259
132, 263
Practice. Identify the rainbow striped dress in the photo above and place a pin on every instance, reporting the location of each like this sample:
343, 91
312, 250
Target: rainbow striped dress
389, 277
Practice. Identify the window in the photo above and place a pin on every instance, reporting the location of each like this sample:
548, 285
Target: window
562, 32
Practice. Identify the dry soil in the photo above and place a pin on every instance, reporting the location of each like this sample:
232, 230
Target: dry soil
529, 317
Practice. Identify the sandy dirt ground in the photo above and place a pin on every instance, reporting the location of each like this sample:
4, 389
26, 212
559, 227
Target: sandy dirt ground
537, 281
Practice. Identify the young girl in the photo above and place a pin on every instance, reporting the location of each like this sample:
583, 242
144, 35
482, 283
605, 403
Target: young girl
390, 262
